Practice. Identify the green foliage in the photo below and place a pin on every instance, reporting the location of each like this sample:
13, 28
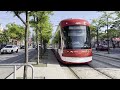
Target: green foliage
93, 31
15, 31
41, 22
102, 36
98, 22
46, 28
56, 38
4, 37
116, 24
0, 32
113, 33
107, 15
105, 19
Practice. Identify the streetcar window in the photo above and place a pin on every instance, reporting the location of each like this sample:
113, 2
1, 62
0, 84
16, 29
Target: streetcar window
77, 27
76, 33
76, 37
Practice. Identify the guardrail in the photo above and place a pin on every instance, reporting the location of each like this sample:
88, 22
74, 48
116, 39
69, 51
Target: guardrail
19, 64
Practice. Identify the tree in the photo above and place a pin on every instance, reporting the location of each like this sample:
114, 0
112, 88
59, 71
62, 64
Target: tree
46, 32
93, 31
116, 24
96, 25
113, 33
106, 16
42, 27
26, 23
33, 39
15, 32
102, 36
56, 38
4, 37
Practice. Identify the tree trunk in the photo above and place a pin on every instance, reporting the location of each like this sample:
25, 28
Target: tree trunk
37, 41
97, 38
26, 44
38, 48
44, 45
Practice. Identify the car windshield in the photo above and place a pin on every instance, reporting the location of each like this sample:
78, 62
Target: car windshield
8, 46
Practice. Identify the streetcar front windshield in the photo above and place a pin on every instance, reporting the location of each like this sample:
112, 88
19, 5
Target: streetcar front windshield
76, 37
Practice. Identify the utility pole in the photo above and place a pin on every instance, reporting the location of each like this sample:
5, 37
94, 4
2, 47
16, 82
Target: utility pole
107, 36
97, 38
41, 42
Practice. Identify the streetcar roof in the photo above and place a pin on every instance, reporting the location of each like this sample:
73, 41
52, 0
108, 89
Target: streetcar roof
74, 21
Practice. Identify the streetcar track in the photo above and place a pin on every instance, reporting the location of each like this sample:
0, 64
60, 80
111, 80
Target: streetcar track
73, 72
100, 71
70, 69
77, 76
104, 63
116, 59
107, 63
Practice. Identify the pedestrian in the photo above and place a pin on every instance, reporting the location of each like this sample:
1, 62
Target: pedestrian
113, 45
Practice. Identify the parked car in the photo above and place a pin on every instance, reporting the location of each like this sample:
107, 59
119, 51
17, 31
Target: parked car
22, 47
102, 47
2, 46
9, 49
39, 46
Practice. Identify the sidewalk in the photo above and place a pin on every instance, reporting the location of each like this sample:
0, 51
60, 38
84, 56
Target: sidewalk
49, 68
114, 53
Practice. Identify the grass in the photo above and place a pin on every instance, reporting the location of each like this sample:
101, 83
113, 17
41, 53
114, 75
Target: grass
40, 65
19, 77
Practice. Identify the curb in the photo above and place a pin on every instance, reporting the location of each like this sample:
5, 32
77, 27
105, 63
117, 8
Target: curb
107, 56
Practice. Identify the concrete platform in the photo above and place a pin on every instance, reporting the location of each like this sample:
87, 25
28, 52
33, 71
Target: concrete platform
48, 69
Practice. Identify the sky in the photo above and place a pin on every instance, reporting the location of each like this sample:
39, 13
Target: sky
8, 17
60, 15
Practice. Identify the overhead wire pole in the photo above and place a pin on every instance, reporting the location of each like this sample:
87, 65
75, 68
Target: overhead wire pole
107, 36
97, 37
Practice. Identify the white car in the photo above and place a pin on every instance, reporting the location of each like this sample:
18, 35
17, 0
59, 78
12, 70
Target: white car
9, 49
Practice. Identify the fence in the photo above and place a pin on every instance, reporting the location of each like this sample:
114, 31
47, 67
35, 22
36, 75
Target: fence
21, 64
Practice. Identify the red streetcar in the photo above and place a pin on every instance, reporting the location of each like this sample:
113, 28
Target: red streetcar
72, 43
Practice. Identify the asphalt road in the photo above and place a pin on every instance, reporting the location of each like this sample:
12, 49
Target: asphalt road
13, 58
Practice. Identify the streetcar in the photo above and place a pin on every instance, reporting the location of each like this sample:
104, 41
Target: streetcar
71, 43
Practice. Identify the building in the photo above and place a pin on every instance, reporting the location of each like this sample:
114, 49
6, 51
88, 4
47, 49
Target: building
1, 28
